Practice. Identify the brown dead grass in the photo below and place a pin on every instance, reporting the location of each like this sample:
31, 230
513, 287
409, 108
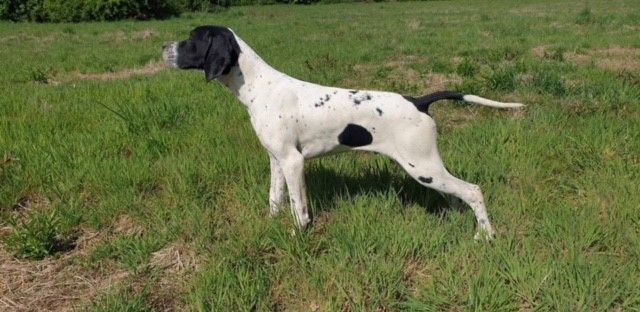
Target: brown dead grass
127, 226
31, 202
150, 69
121, 36
539, 51
400, 73
52, 284
415, 272
616, 58
62, 284
177, 262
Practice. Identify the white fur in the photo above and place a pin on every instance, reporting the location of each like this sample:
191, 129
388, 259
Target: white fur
293, 125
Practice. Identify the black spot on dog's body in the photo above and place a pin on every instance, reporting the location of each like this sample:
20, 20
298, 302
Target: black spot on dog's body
334, 92
319, 104
425, 180
412, 166
379, 111
356, 101
354, 136
368, 97
326, 97
353, 91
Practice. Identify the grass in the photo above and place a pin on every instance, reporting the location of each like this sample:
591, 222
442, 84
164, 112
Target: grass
155, 182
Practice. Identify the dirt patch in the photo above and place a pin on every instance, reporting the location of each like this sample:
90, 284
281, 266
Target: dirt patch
615, 58
52, 284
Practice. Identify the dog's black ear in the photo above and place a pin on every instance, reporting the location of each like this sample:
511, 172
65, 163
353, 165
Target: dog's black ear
222, 54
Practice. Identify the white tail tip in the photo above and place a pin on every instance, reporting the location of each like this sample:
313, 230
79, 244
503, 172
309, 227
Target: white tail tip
487, 102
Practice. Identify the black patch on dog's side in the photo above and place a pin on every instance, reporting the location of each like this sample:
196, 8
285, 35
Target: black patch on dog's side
412, 166
425, 180
326, 97
356, 101
379, 111
353, 91
354, 136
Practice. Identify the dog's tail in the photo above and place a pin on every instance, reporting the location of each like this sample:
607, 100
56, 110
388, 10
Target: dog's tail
423, 102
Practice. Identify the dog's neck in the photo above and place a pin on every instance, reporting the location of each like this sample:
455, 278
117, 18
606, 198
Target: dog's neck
249, 75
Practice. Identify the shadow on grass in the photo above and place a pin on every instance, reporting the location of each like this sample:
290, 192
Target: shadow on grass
326, 186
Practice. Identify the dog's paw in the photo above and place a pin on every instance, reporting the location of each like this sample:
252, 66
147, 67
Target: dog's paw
484, 235
273, 213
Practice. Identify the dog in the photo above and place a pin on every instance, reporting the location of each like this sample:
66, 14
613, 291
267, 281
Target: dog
297, 120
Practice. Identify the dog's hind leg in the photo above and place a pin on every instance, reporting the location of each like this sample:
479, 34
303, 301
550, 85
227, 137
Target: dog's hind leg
277, 188
431, 173
421, 160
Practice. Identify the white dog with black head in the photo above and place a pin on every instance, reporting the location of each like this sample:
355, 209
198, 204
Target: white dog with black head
296, 120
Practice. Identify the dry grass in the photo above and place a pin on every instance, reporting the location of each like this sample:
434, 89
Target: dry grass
52, 284
127, 226
176, 262
400, 73
615, 58
150, 69
121, 36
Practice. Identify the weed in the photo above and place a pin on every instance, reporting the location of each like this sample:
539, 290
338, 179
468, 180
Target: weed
40, 75
549, 82
556, 54
467, 68
38, 236
502, 78
585, 17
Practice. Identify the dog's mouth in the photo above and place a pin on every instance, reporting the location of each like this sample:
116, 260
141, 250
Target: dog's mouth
170, 54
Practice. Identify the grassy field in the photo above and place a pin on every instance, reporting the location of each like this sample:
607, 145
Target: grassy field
128, 187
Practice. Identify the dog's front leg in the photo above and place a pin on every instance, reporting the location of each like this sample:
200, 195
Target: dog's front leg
293, 168
277, 188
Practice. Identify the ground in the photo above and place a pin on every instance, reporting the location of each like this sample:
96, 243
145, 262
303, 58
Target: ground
125, 186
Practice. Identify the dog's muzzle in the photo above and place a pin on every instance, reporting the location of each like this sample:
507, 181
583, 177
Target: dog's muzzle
170, 54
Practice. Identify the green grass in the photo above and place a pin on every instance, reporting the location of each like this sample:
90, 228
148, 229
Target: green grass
178, 158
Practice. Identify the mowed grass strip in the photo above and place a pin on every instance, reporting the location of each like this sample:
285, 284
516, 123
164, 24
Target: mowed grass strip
127, 186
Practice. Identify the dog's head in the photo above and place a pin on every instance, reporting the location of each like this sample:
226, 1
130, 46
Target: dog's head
211, 48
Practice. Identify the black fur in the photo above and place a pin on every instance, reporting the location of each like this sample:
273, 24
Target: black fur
422, 103
354, 136
425, 180
210, 48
